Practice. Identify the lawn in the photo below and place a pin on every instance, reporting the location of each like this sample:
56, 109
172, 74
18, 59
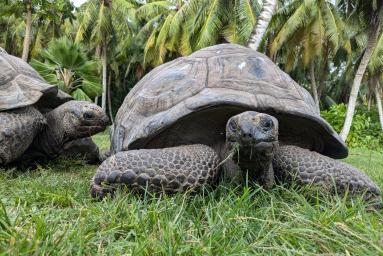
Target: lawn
49, 211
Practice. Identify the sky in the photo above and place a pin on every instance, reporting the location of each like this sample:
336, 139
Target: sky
77, 3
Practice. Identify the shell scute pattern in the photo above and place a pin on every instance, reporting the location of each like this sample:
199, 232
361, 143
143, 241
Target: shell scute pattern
173, 83
21, 85
7, 71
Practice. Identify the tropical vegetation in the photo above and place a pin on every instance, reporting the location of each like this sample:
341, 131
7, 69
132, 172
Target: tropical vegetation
66, 65
333, 48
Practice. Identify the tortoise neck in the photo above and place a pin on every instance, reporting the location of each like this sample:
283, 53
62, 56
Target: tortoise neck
256, 166
53, 137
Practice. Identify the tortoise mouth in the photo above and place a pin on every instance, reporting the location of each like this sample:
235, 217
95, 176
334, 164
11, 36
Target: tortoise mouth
264, 146
90, 130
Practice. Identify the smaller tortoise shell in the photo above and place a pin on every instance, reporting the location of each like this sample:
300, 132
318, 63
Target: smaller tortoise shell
217, 76
21, 86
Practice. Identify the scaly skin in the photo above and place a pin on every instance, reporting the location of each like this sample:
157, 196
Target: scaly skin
170, 170
309, 167
17, 129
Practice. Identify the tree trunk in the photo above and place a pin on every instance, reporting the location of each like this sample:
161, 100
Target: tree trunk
324, 76
28, 32
97, 52
262, 23
372, 39
314, 85
369, 100
104, 76
379, 104
110, 97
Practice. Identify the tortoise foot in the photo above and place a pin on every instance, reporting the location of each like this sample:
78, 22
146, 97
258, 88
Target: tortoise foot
99, 192
309, 167
168, 170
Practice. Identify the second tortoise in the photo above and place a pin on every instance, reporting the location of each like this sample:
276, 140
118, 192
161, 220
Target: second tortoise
37, 119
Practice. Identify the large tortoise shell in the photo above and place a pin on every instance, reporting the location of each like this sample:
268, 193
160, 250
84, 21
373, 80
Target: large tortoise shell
221, 75
21, 86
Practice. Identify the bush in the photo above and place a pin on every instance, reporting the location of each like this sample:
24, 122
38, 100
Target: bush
365, 130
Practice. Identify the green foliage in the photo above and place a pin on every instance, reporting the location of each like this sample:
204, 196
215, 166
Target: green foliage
48, 18
306, 31
66, 65
174, 28
365, 130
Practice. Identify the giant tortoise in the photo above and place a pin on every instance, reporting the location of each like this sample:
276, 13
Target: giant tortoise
37, 119
223, 106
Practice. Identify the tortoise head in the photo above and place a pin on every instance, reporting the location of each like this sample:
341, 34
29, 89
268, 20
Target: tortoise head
255, 138
82, 119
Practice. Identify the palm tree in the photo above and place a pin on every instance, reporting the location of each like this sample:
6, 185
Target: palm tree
50, 18
11, 33
97, 26
67, 66
40, 17
11, 13
378, 99
370, 13
28, 30
179, 27
307, 34
264, 18
375, 74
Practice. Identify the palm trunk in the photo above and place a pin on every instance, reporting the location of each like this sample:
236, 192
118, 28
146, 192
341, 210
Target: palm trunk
104, 76
98, 56
110, 97
379, 104
314, 85
262, 23
369, 100
28, 31
324, 76
97, 52
372, 39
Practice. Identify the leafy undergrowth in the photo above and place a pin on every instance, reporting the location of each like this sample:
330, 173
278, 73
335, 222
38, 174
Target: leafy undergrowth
49, 211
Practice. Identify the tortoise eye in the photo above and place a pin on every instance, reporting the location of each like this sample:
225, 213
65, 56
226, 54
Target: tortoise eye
88, 115
267, 123
233, 126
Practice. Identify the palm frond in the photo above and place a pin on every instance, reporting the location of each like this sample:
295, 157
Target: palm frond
212, 25
296, 20
331, 27
153, 9
161, 39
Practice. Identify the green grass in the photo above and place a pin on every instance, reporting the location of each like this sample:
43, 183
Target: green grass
49, 211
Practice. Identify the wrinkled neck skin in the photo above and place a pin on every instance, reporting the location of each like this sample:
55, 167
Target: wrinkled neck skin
255, 163
51, 140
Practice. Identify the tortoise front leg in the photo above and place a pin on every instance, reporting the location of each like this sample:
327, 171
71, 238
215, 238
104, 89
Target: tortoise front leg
169, 170
309, 167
